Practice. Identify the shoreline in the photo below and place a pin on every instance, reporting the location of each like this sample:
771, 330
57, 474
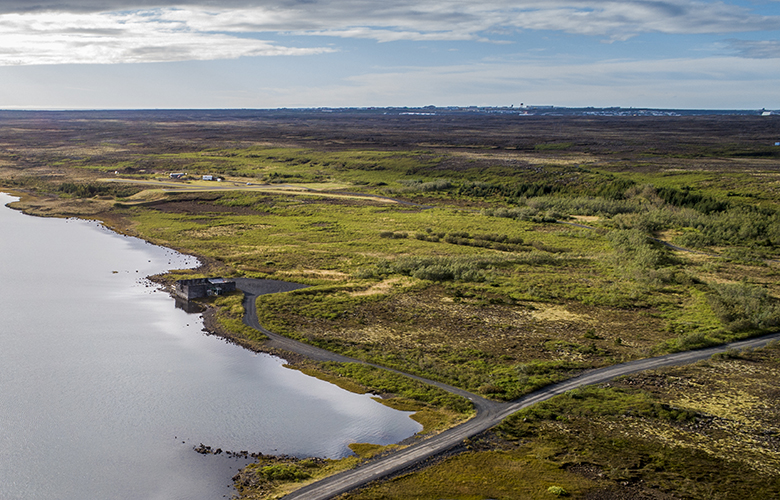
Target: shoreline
496, 409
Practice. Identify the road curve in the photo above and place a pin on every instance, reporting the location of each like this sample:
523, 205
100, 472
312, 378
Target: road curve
253, 288
489, 413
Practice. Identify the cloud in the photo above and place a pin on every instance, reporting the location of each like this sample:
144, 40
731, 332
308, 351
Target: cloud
622, 20
78, 6
458, 19
112, 31
73, 38
761, 49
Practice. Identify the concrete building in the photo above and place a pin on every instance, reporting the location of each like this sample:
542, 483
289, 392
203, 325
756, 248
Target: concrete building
203, 287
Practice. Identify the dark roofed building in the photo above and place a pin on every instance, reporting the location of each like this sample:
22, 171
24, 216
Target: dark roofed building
203, 287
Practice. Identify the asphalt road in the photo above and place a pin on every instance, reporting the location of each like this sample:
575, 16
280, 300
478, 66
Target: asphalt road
489, 413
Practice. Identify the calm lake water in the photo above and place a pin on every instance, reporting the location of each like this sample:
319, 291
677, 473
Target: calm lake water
105, 386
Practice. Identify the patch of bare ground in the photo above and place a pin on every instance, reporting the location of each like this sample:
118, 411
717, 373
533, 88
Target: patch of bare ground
586, 219
347, 200
63, 207
382, 287
513, 157
322, 274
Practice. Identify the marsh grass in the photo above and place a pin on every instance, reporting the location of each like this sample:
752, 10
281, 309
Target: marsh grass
383, 382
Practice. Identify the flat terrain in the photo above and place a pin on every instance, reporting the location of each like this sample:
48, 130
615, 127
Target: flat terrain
493, 253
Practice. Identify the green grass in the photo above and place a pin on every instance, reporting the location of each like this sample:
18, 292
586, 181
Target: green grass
296, 165
501, 475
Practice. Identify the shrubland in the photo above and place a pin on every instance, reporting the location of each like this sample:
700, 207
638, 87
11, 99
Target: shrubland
497, 256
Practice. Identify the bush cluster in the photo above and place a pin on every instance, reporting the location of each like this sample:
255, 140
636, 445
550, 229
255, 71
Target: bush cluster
501, 242
89, 190
472, 269
743, 306
418, 185
526, 213
635, 249
283, 472
393, 234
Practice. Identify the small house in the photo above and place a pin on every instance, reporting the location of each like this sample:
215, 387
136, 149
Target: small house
203, 287
208, 177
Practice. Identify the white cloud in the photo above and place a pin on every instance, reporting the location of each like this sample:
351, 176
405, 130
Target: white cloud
91, 31
756, 49
71, 38
456, 19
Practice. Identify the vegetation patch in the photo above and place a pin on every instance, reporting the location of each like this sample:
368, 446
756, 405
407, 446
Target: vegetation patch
479, 475
513, 253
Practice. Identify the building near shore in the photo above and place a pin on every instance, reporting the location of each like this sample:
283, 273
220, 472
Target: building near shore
203, 287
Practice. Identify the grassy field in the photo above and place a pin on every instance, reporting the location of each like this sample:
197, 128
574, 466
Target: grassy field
491, 254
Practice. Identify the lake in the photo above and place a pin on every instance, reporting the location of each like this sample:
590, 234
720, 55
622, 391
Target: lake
106, 387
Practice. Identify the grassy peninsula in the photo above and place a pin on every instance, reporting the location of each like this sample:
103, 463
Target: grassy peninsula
493, 253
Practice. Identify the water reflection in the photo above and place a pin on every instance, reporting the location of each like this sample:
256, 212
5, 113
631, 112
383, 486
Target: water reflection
188, 306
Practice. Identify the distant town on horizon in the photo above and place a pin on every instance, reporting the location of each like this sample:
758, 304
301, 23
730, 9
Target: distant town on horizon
432, 110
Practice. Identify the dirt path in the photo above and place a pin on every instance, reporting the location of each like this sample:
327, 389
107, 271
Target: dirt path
283, 189
489, 413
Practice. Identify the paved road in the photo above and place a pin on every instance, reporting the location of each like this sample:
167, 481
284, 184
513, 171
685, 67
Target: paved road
489, 413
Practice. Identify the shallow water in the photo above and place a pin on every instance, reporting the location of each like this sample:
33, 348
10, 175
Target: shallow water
105, 386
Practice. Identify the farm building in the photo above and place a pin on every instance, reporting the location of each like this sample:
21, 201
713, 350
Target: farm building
203, 287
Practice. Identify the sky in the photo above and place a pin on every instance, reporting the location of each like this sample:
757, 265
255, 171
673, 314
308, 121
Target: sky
173, 54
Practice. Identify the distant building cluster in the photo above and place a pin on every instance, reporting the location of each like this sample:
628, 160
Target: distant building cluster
632, 112
183, 175
525, 110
